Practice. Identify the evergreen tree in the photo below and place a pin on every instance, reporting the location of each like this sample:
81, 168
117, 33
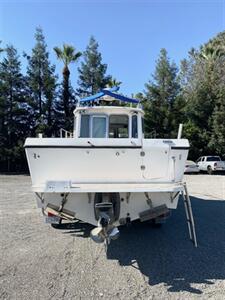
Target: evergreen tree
1, 49
13, 111
202, 96
61, 120
217, 140
160, 96
92, 73
41, 80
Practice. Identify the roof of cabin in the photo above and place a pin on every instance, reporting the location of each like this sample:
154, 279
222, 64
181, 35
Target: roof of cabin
111, 94
108, 109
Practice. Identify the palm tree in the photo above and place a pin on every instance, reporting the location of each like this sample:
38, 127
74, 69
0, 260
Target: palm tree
113, 82
67, 54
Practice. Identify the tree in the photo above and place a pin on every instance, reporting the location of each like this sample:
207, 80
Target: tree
41, 80
203, 94
13, 110
67, 55
160, 96
1, 49
92, 73
113, 82
217, 140
217, 137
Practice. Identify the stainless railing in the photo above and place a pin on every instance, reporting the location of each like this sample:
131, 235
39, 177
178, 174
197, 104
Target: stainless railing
65, 134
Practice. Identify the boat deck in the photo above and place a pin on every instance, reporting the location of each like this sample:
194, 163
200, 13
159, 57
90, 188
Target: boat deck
97, 187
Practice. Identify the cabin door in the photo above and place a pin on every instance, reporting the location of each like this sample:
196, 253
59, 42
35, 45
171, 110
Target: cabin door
155, 159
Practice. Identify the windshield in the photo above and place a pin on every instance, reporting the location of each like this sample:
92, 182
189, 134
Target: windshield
99, 127
112, 126
118, 126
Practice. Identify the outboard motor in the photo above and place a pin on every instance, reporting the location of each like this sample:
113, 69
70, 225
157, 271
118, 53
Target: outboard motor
107, 211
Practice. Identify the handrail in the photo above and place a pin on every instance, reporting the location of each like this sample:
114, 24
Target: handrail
65, 134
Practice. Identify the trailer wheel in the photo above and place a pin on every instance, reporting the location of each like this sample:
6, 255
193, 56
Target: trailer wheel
209, 170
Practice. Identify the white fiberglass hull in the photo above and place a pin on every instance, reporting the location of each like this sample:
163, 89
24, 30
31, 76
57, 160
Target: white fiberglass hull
131, 205
80, 168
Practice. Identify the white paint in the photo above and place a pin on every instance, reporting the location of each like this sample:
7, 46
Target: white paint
88, 165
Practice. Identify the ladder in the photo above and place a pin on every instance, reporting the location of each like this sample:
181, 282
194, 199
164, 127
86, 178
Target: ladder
189, 215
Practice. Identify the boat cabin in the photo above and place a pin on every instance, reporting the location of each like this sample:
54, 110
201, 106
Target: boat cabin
113, 122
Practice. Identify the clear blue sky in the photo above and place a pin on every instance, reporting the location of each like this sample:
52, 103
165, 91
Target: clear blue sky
130, 33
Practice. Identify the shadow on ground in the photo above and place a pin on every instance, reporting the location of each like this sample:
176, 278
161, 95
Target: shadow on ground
166, 255
76, 229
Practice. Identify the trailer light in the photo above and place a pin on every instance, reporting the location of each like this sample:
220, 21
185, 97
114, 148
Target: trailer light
50, 214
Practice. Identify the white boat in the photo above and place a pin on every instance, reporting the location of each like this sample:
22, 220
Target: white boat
106, 173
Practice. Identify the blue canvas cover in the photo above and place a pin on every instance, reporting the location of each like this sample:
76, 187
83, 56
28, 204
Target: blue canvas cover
111, 93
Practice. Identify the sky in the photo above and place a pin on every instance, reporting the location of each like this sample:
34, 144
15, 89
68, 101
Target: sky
130, 33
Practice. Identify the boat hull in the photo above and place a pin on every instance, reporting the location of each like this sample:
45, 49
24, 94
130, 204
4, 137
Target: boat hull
89, 160
80, 168
81, 205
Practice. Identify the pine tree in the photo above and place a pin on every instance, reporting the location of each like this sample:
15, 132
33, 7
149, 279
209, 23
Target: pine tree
61, 120
13, 110
201, 93
1, 49
217, 140
160, 97
92, 73
42, 84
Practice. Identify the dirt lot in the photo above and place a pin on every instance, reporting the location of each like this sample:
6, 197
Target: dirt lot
40, 262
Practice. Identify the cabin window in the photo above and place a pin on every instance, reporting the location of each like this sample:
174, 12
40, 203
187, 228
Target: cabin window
98, 127
134, 127
118, 126
85, 126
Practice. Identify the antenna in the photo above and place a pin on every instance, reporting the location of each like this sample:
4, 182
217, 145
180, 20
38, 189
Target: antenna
180, 131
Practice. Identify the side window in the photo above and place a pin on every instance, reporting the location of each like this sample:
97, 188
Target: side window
118, 126
98, 127
134, 127
85, 126
203, 158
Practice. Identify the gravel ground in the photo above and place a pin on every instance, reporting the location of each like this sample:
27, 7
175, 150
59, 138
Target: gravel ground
40, 262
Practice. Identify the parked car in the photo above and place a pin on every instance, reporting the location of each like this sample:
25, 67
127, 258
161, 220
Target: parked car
210, 164
191, 167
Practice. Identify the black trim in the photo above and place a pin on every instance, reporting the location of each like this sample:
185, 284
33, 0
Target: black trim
179, 148
84, 147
